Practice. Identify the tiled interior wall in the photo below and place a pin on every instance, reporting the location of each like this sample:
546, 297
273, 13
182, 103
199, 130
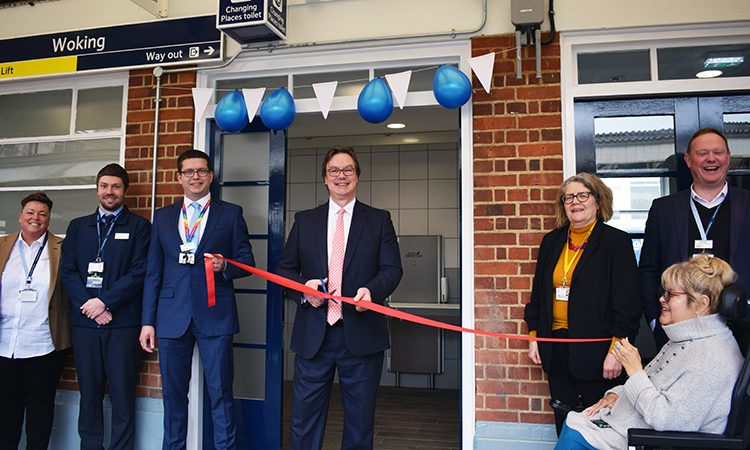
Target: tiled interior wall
419, 185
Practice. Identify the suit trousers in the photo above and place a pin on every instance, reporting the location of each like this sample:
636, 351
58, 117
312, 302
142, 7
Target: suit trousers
27, 387
175, 361
107, 356
359, 377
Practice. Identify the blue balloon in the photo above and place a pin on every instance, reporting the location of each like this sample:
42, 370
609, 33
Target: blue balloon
375, 102
451, 87
231, 112
277, 111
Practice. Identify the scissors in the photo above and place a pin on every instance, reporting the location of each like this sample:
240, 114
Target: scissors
325, 291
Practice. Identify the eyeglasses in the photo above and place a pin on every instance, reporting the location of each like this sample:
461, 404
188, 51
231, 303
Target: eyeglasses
335, 171
202, 172
667, 294
581, 196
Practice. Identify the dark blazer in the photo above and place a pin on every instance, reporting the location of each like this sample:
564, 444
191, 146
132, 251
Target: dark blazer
59, 306
371, 260
174, 293
124, 267
666, 241
603, 301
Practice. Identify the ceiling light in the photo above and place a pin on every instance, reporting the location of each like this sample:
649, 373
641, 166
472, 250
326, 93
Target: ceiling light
708, 74
396, 126
717, 62
411, 140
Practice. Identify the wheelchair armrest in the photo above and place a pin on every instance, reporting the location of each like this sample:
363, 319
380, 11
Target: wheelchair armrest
638, 437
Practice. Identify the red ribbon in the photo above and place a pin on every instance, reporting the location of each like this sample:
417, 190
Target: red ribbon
299, 287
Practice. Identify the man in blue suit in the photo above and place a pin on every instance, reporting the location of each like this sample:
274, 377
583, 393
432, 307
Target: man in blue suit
711, 217
175, 300
328, 336
103, 265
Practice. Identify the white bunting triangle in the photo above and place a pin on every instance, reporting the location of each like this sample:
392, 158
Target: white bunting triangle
399, 83
201, 97
324, 92
482, 67
253, 98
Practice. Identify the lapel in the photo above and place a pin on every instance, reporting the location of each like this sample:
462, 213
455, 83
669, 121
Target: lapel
359, 218
681, 215
6, 246
53, 247
561, 239
214, 216
737, 212
172, 219
320, 224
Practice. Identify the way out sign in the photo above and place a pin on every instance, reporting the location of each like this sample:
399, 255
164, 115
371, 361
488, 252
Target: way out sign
248, 21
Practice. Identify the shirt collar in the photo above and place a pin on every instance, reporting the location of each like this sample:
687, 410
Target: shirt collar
103, 213
710, 203
40, 240
333, 208
201, 201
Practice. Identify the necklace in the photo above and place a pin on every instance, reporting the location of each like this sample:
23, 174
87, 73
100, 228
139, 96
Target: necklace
575, 248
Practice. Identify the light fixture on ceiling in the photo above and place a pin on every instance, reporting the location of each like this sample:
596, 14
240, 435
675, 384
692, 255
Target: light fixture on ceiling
719, 62
396, 126
411, 140
708, 73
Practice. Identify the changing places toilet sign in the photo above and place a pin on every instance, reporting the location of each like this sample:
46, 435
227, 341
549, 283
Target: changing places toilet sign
163, 42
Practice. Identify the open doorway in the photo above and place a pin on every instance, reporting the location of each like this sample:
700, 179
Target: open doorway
414, 173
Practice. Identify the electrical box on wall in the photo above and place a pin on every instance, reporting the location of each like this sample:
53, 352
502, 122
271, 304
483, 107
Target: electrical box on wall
252, 21
524, 13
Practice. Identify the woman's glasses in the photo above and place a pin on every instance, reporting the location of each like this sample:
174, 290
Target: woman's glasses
667, 294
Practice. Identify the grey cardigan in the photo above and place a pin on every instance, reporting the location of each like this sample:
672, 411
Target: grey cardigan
686, 387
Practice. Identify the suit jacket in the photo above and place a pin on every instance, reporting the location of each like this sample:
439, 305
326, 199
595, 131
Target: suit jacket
59, 306
603, 301
174, 293
666, 241
124, 267
372, 260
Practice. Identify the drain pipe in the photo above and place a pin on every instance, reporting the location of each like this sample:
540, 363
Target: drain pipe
159, 71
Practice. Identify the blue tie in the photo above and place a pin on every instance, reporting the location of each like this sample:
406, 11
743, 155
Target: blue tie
193, 218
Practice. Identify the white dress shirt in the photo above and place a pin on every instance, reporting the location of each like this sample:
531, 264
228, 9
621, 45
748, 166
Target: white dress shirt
710, 203
333, 211
24, 326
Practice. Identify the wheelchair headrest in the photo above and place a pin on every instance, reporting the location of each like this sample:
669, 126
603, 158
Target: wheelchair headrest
733, 302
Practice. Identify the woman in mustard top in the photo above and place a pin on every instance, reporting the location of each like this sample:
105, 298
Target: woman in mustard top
586, 285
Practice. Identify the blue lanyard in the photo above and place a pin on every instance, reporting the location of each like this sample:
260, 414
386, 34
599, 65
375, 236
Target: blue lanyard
699, 222
36, 259
106, 236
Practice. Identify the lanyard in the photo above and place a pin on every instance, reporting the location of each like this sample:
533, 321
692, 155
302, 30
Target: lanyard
106, 237
36, 259
568, 264
190, 234
699, 222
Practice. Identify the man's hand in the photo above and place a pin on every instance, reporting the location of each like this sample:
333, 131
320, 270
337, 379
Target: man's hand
314, 300
363, 294
628, 356
103, 318
218, 263
93, 308
148, 338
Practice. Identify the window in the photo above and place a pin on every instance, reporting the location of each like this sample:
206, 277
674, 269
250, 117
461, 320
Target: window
56, 141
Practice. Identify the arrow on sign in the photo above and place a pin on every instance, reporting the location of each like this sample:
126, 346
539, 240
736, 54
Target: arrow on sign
210, 50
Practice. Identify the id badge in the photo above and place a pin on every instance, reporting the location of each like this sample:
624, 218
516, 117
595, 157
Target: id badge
96, 267
562, 293
704, 244
187, 247
94, 281
187, 258
27, 295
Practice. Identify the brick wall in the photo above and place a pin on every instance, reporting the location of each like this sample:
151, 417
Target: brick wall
517, 169
175, 136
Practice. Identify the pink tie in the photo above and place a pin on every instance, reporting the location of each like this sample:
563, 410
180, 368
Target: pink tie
336, 268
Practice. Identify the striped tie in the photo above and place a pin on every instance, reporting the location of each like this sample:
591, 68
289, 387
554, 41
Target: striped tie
336, 268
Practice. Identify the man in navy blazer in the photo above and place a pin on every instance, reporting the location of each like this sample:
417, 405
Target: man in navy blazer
103, 265
353, 345
175, 300
710, 217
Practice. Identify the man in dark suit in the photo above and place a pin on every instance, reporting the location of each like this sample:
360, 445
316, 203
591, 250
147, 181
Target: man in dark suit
103, 266
175, 300
710, 217
349, 249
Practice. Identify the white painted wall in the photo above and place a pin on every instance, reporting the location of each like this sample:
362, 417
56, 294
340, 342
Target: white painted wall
316, 21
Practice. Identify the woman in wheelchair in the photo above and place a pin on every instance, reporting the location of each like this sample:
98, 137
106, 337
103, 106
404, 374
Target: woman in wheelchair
688, 385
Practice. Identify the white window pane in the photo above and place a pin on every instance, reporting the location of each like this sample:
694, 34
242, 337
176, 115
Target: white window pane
35, 114
99, 109
632, 199
67, 205
643, 143
56, 163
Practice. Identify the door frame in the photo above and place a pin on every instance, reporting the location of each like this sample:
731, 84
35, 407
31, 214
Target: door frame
295, 61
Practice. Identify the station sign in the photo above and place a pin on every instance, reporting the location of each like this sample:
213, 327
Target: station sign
191, 40
252, 21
